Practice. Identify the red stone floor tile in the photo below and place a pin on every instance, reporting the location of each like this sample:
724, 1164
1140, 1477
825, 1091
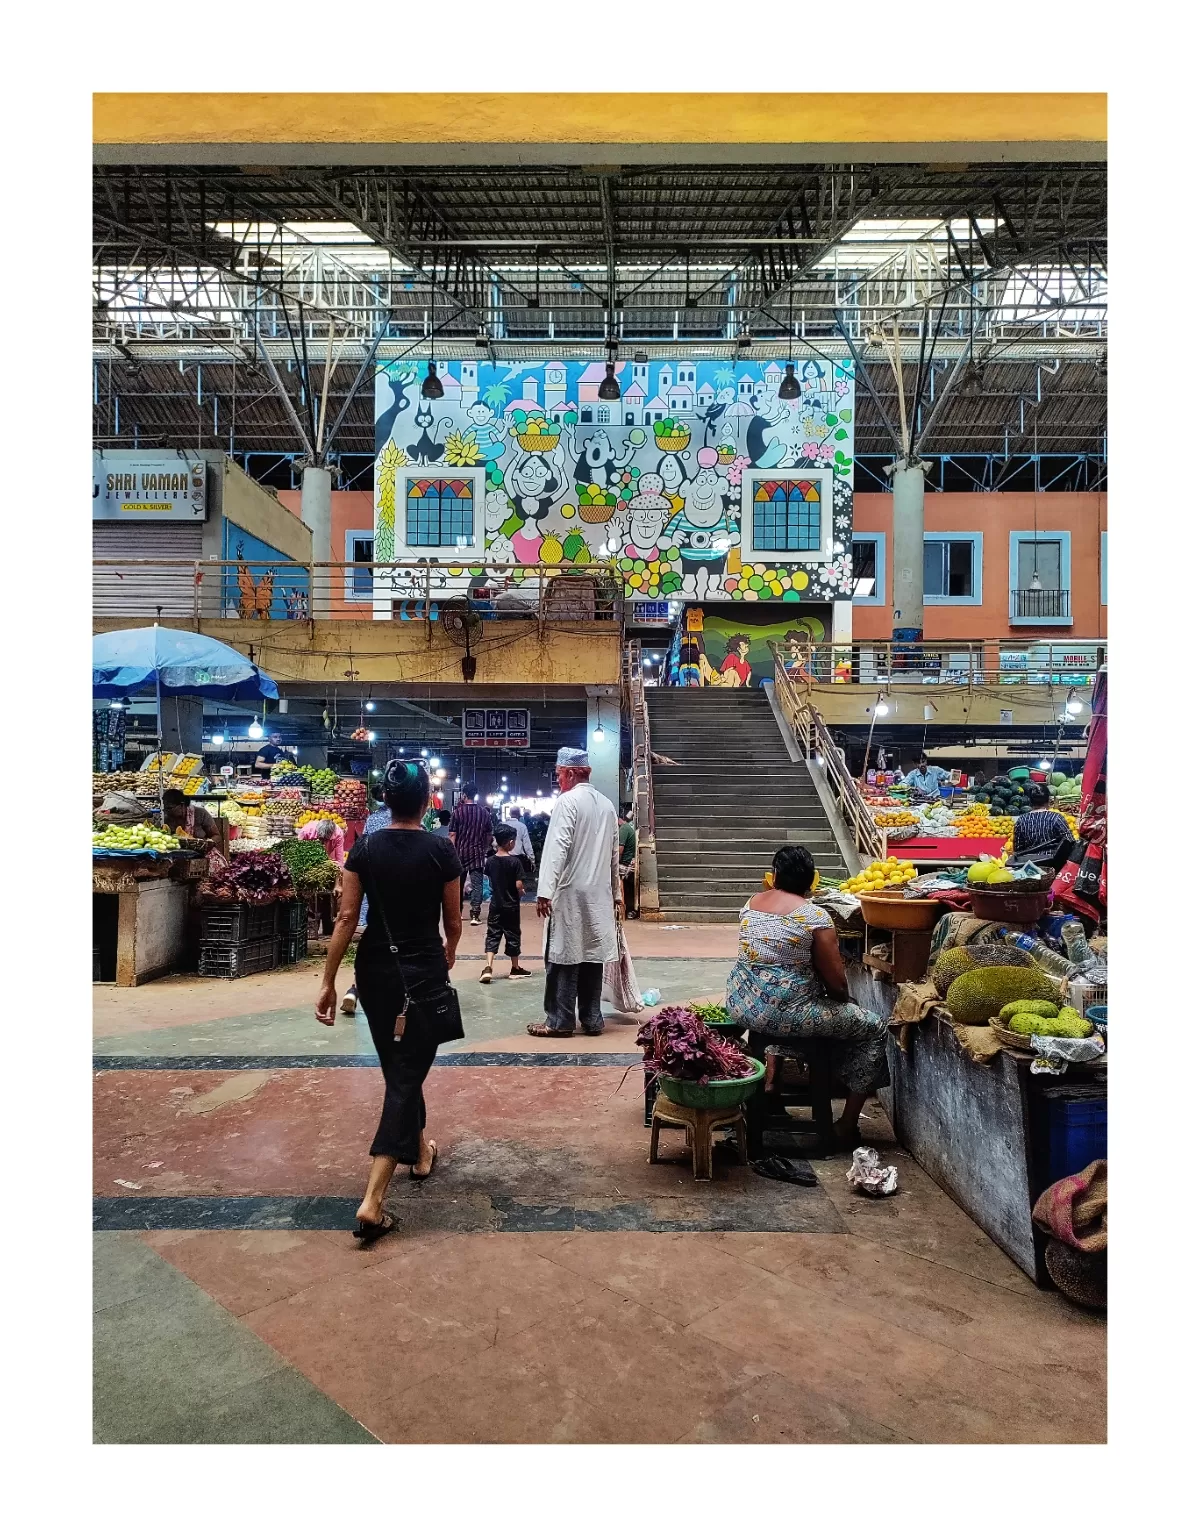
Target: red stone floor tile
246, 1271
650, 1379
974, 1317
775, 1411
679, 1275
364, 1340
852, 1357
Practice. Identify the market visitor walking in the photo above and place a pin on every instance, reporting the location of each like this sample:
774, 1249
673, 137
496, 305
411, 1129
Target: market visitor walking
470, 833
578, 896
505, 873
402, 972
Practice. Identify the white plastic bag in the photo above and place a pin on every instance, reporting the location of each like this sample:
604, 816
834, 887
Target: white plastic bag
866, 1175
620, 987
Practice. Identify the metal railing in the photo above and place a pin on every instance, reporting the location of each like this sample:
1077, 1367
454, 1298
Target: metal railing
824, 757
319, 590
1040, 603
1014, 661
643, 779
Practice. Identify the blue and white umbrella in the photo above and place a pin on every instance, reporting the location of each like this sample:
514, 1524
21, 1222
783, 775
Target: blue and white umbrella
174, 661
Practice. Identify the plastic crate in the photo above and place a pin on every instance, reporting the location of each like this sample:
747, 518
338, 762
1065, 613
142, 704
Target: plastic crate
1074, 1130
1086, 994
233, 960
293, 948
293, 918
237, 923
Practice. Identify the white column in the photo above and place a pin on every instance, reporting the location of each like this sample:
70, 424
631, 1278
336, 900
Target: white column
316, 511
603, 710
907, 545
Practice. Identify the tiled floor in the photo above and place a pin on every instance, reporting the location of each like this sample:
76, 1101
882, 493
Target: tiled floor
548, 1285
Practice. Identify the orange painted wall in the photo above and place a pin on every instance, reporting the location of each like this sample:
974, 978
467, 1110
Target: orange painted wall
351, 511
995, 515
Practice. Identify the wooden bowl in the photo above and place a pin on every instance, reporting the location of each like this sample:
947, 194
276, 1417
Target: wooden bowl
893, 911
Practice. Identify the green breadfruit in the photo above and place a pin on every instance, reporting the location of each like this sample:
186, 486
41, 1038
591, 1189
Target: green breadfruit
980, 994
1025, 1005
951, 963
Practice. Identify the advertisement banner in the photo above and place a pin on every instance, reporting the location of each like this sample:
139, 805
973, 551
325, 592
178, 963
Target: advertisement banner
157, 488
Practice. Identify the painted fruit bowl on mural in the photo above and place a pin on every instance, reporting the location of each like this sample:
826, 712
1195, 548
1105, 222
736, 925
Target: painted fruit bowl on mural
725, 454
671, 436
534, 432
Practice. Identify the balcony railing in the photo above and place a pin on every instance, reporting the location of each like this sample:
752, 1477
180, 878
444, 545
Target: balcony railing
239, 589
1034, 660
1032, 603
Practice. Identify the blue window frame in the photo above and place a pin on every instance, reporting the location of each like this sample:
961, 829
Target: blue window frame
953, 569
360, 548
870, 560
438, 517
1053, 558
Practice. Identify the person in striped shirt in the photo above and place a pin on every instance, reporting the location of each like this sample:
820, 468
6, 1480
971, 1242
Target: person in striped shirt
470, 833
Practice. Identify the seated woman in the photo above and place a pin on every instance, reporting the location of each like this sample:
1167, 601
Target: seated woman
789, 984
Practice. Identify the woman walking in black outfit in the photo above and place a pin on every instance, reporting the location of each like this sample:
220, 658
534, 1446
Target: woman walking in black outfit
402, 972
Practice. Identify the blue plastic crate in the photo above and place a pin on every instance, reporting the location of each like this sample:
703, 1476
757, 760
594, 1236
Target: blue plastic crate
1075, 1134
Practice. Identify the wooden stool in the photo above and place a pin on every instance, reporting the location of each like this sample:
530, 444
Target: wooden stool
818, 1094
699, 1125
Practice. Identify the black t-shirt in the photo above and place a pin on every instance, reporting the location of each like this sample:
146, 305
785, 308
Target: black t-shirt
406, 873
504, 870
270, 754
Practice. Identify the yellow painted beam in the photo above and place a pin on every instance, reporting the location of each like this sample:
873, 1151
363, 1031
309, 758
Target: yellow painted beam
936, 120
842, 704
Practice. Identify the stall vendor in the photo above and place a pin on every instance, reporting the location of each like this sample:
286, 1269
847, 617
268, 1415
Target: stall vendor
270, 754
179, 815
926, 778
329, 833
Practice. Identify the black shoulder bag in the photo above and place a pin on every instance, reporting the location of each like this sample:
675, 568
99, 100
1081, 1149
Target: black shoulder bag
434, 1002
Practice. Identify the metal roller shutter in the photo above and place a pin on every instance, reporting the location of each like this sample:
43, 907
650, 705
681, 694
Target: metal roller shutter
148, 591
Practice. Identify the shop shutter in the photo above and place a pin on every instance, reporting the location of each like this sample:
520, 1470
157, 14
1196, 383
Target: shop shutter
149, 591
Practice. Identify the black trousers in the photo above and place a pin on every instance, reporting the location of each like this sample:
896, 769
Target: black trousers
405, 1062
571, 986
503, 923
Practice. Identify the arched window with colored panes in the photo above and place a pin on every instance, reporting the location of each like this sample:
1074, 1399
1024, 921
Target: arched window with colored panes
787, 515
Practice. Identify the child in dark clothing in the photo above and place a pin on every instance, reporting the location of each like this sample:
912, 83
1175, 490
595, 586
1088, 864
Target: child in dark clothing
504, 870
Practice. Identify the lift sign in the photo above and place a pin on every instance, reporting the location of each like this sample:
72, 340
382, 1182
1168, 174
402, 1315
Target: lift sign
154, 489
495, 727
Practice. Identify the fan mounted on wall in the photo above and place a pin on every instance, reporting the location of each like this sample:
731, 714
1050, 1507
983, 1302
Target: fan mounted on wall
465, 628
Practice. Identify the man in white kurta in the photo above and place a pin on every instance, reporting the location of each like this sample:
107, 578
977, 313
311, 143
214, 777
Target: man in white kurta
578, 896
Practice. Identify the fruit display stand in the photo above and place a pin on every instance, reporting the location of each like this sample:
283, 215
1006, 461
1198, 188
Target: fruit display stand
140, 916
983, 1132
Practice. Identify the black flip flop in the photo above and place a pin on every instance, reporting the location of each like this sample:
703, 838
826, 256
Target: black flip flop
785, 1170
421, 1177
369, 1232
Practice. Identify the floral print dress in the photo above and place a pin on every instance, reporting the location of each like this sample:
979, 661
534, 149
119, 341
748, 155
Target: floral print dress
773, 990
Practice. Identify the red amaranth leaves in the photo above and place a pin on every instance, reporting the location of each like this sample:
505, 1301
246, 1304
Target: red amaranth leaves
678, 1043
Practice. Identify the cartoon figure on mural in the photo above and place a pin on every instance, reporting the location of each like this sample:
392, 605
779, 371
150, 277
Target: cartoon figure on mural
704, 528
798, 662
767, 452
714, 418
734, 669
597, 462
400, 402
490, 435
426, 449
533, 481
648, 512
691, 649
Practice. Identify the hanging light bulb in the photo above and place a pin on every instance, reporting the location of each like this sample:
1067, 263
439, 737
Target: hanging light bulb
1073, 704
218, 739
431, 386
1044, 765
434, 762
254, 730
370, 704
610, 388
1034, 584
598, 733
789, 388
424, 751
881, 707
370, 736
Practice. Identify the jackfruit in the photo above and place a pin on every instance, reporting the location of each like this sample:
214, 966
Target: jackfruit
951, 963
1046, 1010
980, 994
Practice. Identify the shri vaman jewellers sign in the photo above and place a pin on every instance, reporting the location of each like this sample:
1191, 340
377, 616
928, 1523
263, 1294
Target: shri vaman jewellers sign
154, 489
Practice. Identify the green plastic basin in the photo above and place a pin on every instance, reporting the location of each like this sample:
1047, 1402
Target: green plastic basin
718, 1093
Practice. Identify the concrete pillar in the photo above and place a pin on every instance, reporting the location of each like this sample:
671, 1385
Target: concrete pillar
603, 709
316, 511
182, 724
907, 545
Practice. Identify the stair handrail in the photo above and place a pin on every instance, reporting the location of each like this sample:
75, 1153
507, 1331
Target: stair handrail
643, 781
814, 741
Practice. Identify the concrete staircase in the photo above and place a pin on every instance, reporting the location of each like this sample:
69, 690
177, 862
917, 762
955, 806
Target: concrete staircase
736, 797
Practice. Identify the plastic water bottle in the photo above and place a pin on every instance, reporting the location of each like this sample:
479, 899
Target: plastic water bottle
651, 997
1074, 937
1052, 964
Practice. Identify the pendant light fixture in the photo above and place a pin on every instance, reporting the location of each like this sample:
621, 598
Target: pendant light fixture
610, 388
431, 387
789, 388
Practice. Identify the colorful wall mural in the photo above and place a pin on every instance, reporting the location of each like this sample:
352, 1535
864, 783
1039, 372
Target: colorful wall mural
265, 582
728, 650
698, 483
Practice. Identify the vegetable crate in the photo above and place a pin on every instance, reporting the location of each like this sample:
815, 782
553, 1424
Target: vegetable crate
231, 961
237, 923
293, 948
1073, 1129
293, 918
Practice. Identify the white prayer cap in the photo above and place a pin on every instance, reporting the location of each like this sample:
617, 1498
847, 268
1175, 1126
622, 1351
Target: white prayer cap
572, 757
